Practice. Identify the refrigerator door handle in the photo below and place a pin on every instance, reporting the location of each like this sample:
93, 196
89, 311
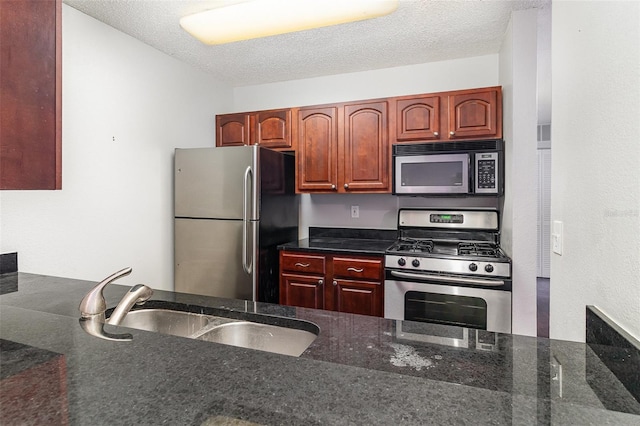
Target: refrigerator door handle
247, 264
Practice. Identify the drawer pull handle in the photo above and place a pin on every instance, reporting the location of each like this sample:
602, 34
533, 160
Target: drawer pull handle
355, 269
302, 265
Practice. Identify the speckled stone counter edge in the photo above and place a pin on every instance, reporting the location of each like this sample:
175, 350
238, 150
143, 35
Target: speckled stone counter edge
616, 348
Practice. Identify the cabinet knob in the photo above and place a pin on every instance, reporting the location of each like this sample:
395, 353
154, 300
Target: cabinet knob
346, 186
333, 187
303, 265
355, 269
320, 282
436, 134
335, 282
452, 133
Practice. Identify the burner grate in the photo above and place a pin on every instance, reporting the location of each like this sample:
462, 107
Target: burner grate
410, 245
477, 249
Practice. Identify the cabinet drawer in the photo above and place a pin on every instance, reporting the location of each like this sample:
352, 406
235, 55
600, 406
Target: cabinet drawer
357, 268
303, 263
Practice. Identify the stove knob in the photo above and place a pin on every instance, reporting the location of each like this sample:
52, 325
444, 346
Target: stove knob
473, 267
402, 262
415, 263
488, 268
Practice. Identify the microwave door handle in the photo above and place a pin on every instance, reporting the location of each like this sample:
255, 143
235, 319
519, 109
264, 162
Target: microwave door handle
445, 278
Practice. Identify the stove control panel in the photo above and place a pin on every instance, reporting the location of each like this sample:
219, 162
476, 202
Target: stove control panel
439, 265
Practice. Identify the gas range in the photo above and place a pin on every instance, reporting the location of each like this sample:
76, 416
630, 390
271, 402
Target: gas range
454, 242
447, 267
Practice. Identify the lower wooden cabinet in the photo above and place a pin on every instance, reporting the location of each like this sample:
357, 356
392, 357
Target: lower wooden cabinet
352, 284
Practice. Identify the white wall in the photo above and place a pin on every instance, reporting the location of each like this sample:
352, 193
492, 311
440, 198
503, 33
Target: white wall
480, 71
126, 106
595, 186
377, 211
518, 78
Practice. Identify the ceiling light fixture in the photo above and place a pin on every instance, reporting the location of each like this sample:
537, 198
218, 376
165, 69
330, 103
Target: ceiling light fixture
250, 19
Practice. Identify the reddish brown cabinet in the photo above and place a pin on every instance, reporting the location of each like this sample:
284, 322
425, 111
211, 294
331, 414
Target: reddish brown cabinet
31, 93
364, 162
272, 129
475, 114
317, 153
352, 284
418, 118
458, 115
343, 148
233, 129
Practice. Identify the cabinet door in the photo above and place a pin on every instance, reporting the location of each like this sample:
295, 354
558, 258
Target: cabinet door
233, 129
418, 118
273, 128
30, 94
365, 151
317, 150
306, 291
358, 297
475, 114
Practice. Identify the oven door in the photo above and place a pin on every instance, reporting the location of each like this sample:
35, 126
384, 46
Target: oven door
431, 174
443, 303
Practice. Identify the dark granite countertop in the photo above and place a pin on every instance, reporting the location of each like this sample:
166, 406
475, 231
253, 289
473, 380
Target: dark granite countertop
360, 370
344, 240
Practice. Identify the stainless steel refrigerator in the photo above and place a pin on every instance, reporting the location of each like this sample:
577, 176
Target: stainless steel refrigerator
233, 206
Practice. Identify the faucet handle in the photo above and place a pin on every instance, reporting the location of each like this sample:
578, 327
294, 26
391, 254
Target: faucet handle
93, 302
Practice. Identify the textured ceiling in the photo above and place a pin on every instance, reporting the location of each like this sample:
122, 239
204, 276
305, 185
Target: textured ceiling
419, 31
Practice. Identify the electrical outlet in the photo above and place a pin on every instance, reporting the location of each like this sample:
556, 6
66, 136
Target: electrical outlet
355, 212
556, 237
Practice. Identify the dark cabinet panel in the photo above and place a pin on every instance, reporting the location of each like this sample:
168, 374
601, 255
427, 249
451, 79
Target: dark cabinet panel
233, 129
418, 118
305, 291
31, 93
475, 114
366, 148
317, 149
358, 297
352, 284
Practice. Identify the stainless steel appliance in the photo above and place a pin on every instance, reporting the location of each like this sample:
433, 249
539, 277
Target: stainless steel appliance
447, 267
233, 206
449, 168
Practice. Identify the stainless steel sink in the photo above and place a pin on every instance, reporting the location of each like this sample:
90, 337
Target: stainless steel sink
166, 321
229, 331
263, 337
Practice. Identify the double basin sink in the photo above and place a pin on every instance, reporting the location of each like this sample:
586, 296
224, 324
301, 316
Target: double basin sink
248, 330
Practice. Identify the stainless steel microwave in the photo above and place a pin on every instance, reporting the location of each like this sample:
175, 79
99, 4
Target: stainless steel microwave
449, 168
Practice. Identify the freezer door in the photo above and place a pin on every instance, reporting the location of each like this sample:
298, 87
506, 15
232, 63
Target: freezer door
215, 182
211, 259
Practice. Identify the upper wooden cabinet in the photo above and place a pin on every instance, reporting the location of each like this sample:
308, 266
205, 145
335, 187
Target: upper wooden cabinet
272, 129
463, 114
31, 93
317, 153
475, 114
346, 147
418, 118
365, 148
233, 129
343, 148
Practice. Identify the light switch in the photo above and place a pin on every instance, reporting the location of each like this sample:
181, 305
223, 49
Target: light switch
556, 237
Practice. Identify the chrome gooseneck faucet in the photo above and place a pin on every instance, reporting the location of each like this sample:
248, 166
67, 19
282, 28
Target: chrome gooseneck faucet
93, 307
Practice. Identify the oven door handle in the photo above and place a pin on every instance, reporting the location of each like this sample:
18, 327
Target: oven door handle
425, 277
